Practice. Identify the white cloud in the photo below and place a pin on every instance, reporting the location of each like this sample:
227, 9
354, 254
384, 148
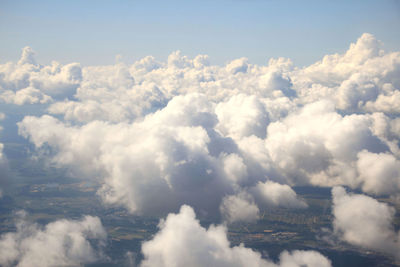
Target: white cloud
149, 166
59, 243
237, 66
274, 194
185, 131
319, 146
228, 140
363, 221
27, 56
363, 78
29, 83
387, 102
189, 244
240, 207
171, 157
242, 116
380, 173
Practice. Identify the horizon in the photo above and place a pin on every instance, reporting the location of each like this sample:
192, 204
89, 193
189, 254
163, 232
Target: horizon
95, 32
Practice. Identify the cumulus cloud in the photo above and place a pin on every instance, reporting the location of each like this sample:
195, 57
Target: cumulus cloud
319, 146
162, 134
227, 140
29, 83
237, 65
240, 207
189, 244
380, 173
242, 116
171, 157
361, 79
27, 57
156, 164
59, 243
279, 195
365, 222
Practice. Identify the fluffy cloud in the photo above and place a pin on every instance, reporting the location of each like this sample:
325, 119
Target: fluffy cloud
237, 66
240, 207
171, 157
189, 244
227, 140
380, 173
365, 222
279, 195
147, 136
162, 134
59, 243
242, 116
363, 78
28, 82
319, 146
168, 159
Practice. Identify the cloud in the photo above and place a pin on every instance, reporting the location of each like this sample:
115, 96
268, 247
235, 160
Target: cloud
29, 83
240, 207
149, 166
242, 116
189, 244
237, 66
172, 157
161, 134
363, 221
361, 79
319, 146
387, 100
279, 195
27, 57
277, 81
59, 243
380, 173
227, 140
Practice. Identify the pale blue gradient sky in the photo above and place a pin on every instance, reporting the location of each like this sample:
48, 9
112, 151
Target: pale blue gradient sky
93, 32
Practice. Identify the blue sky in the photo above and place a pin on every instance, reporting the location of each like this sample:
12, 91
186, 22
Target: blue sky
94, 32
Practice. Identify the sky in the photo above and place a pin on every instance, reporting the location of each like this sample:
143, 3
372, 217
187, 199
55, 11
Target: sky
94, 32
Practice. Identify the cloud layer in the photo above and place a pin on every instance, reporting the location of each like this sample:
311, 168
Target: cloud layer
161, 134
